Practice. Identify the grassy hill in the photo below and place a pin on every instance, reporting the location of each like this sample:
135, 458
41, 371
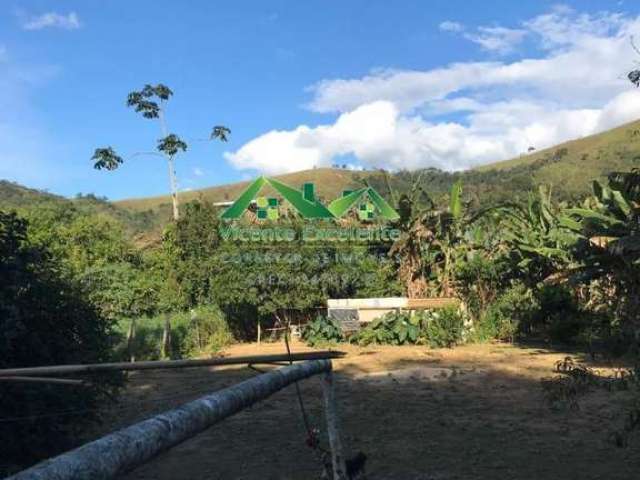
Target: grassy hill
17, 197
569, 168
574, 164
329, 183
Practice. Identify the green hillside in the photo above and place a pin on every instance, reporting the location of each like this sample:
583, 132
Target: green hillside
17, 197
329, 183
569, 168
572, 165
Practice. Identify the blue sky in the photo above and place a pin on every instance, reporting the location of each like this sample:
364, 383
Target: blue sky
406, 84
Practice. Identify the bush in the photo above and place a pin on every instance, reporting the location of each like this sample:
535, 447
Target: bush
443, 328
203, 330
559, 316
322, 331
436, 328
208, 331
44, 320
511, 312
393, 328
566, 329
480, 280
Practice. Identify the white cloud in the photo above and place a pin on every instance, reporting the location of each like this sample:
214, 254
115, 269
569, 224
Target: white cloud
198, 172
449, 26
380, 136
497, 39
574, 86
52, 20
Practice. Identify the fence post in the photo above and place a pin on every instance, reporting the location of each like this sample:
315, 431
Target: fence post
333, 428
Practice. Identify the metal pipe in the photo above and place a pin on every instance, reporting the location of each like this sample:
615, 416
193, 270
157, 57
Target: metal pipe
57, 381
161, 364
338, 461
130, 447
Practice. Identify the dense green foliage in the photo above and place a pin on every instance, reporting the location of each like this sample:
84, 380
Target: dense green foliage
436, 328
201, 330
44, 319
443, 328
322, 331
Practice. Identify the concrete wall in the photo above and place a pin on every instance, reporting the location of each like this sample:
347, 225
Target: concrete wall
368, 309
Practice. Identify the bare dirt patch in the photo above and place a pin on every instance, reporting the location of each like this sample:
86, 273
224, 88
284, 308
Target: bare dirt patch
472, 412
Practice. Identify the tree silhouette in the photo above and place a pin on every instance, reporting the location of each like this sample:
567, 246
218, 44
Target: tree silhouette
150, 103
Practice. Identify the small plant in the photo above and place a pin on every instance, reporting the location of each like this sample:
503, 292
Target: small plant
208, 331
574, 380
444, 328
322, 331
508, 315
441, 328
393, 328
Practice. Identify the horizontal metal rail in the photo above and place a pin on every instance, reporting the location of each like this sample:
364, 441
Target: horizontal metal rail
126, 449
55, 381
162, 364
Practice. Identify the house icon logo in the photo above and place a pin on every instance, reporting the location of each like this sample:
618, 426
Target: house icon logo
370, 203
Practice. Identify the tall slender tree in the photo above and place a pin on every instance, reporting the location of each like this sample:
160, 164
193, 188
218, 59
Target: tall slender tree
150, 102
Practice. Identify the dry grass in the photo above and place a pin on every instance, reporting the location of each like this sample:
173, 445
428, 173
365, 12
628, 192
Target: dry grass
329, 182
473, 412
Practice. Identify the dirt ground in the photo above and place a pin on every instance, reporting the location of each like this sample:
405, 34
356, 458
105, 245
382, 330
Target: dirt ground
473, 412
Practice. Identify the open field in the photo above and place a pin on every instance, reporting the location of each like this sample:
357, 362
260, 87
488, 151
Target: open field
473, 412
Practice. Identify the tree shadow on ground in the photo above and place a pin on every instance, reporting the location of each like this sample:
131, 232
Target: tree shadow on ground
420, 414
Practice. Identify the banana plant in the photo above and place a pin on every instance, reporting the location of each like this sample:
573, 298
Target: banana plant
432, 241
608, 226
537, 235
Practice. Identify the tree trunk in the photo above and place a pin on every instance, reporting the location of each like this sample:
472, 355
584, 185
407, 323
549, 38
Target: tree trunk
174, 189
166, 338
131, 336
196, 325
259, 332
172, 172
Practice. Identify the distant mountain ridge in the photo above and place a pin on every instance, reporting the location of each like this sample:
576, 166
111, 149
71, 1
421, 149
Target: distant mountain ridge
569, 168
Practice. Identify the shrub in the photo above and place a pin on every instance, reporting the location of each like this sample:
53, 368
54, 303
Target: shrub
208, 331
565, 328
393, 328
559, 315
147, 342
480, 280
44, 320
322, 331
436, 328
443, 328
511, 312
203, 330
